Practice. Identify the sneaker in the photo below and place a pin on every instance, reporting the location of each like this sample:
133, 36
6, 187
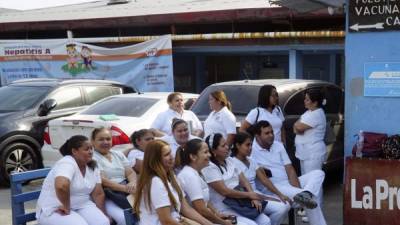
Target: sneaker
304, 219
301, 212
305, 199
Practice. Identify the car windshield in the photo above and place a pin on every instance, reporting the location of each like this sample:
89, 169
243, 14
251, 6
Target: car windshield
121, 106
18, 98
242, 97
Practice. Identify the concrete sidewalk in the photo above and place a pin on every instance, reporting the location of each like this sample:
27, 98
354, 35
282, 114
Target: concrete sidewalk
333, 201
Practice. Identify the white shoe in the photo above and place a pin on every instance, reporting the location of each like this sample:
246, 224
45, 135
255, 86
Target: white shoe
301, 212
304, 219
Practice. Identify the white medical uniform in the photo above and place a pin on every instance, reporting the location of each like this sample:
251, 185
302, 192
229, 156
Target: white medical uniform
275, 159
230, 177
159, 199
275, 118
173, 144
275, 210
83, 210
223, 122
193, 185
134, 155
114, 170
310, 146
164, 119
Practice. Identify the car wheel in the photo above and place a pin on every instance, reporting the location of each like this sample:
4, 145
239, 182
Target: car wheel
17, 157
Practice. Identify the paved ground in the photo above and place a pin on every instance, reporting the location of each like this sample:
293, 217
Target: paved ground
333, 201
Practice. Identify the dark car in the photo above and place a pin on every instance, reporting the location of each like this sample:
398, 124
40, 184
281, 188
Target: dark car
27, 105
244, 94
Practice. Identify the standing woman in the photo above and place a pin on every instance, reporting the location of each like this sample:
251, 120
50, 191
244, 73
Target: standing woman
162, 124
194, 158
310, 133
221, 119
140, 139
117, 175
241, 151
72, 192
269, 110
159, 197
222, 176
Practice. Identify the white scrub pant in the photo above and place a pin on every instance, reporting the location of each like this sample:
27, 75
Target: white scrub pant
309, 165
311, 182
262, 219
90, 215
276, 211
115, 212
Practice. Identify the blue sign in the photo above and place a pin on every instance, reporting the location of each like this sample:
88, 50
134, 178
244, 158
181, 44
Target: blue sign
382, 79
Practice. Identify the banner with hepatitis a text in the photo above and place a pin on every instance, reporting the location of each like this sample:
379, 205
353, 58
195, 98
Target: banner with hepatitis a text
146, 66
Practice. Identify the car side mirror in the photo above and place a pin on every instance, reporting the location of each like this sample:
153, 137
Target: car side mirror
46, 107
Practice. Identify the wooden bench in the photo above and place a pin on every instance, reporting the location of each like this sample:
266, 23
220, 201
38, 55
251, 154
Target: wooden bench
18, 197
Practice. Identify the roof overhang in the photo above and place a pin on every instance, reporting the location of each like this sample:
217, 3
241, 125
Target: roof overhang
303, 6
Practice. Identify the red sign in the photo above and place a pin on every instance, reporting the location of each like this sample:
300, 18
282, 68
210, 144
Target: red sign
372, 192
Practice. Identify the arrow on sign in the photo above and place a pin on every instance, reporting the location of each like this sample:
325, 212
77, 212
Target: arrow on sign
357, 27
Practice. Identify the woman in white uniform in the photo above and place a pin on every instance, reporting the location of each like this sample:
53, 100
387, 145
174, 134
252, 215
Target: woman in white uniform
194, 158
180, 135
269, 110
221, 119
72, 192
310, 133
222, 177
116, 173
159, 197
162, 124
139, 139
241, 150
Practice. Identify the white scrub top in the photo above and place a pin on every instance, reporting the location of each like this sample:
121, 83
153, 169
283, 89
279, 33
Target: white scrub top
230, 177
159, 199
273, 159
275, 118
250, 172
80, 186
223, 122
164, 119
311, 143
193, 185
134, 155
114, 169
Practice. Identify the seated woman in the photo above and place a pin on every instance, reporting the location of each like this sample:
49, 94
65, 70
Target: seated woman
194, 158
159, 197
72, 192
117, 176
222, 176
139, 139
180, 135
241, 150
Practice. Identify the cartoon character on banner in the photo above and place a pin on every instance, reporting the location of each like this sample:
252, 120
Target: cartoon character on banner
86, 55
73, 56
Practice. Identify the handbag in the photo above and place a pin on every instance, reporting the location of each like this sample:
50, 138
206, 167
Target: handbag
372, 145
118, 197
243, 206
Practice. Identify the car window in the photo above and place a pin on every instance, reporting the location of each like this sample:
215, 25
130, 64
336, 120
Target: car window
68, 97
17, 98
132, 107
295, 104
242, 97
334, 100
95, 93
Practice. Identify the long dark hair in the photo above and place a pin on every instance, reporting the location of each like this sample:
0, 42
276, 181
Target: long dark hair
76, 142
264, 94
239, 139
191, 148
212, 141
